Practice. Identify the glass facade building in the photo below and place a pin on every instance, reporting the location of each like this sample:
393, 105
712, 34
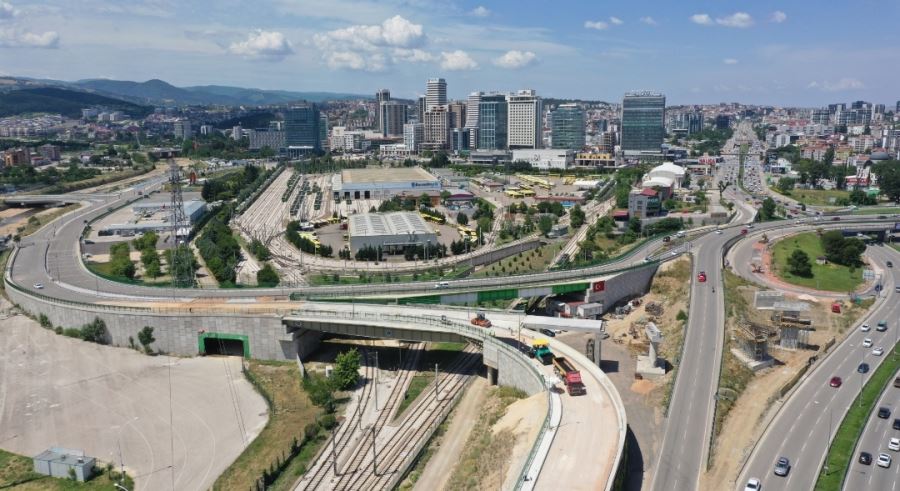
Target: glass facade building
493, 114
567, 122
643, 121
303, 127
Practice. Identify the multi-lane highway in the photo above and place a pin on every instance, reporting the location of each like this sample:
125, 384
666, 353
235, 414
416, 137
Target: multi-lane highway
874, 440
806, 422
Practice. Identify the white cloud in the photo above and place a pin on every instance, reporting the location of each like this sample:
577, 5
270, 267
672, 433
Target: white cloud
457, 60
649, 21
778, 17
414, 55
702, 19
515, 59
843, 84
730, 61
368, 47
616, 21
598, 25
7, 11
480, 11
271, 45
19, 38
738, 19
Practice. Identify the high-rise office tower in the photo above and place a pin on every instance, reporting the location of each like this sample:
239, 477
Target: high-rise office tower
382, 96
435, 93
525, 111
421, 108
723, 122
472, 118
492, 122
437, 127
303, 127
567, 124
643, 121
457, 114
413, 135
393, 117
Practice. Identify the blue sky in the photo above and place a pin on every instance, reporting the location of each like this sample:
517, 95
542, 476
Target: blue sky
788, 52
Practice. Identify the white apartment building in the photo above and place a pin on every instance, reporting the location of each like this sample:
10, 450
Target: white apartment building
413, 136
524, 120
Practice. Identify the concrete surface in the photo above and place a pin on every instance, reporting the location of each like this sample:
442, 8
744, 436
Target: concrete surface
114, 404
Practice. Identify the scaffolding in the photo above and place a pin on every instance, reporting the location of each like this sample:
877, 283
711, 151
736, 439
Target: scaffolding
794, 329
753, 340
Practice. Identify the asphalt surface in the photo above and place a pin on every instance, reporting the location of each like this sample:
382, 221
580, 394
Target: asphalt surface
800, 430
874, 440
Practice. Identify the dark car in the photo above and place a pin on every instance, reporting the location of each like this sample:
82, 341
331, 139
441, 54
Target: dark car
897, 382
782, 466
863, 368
884, 412
835, 382
882, 326
865, 458
897, 423
890, 264
548, 332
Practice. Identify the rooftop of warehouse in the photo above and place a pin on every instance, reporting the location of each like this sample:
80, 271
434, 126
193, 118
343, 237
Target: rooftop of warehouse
350, 176
393, 223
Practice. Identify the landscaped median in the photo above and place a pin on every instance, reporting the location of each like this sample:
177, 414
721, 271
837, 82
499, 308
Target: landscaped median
825, 276
841, 453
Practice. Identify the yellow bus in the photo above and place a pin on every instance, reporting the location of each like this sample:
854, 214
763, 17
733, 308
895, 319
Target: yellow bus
432, 218
527, 193
512, 193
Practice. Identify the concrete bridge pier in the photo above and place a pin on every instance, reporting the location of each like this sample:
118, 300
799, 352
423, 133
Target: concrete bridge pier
491, 375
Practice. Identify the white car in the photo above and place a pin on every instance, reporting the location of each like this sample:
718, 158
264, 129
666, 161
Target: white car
718, 231
39, 286
878, 351
884, 460
753, 485
894, 444
867, 343
865, 328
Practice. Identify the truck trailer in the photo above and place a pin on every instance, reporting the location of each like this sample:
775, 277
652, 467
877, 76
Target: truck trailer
569, 375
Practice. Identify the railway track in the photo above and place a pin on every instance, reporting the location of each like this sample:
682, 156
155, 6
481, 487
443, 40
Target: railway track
420, 421
322, 475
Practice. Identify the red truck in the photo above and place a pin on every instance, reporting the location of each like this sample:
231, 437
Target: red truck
570, 376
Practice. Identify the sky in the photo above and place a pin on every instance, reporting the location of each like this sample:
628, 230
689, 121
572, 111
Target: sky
782, 52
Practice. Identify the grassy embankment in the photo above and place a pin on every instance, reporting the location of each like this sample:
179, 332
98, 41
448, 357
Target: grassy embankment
828, 277
533, 261
734, 375
17, 473
290, 411
841, 454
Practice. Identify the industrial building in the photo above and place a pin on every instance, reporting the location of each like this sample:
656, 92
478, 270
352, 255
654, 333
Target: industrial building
392, 232
60, 462
154, 217
546, 158
382, 184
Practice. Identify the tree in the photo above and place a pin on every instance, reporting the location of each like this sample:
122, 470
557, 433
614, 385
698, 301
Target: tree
267, 277
576, 216
320, 391
346, 370
767, 212
785, 184
462, 218
95, 332
888, 173
799, 265
545, 224
145, 337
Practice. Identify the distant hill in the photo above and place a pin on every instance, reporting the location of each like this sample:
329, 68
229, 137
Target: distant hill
157, 92
62, 101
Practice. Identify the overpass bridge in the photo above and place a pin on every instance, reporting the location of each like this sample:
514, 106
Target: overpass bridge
24, 200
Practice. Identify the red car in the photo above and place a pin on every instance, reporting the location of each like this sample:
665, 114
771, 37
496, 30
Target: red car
835, 382
701, 277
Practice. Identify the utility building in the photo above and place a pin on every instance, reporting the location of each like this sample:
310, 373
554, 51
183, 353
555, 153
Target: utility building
392, 232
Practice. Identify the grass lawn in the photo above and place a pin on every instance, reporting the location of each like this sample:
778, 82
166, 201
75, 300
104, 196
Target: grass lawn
16, 473
533, 261
430, 275
841, 452
816, 197
877, 211
289, 413
828, 277
440, 353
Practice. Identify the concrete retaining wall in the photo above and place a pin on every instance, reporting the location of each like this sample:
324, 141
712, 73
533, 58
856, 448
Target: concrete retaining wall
623, 286
512, 370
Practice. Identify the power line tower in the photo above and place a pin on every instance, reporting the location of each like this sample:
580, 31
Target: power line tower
182, 274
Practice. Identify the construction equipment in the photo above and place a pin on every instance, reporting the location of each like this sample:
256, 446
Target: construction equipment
480, 320
757, 268
569, 375
541, 349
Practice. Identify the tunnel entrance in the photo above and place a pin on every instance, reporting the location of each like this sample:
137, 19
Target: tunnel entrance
214, 343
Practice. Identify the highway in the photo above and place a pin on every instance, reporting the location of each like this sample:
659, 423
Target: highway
874, 440
800, 430
685, 444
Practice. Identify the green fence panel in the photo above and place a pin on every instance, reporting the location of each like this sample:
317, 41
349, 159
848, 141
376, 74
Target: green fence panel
570, 287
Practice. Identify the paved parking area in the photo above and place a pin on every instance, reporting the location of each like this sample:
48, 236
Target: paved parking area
112, 402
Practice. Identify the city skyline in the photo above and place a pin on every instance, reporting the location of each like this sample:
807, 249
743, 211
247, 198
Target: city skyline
756, 53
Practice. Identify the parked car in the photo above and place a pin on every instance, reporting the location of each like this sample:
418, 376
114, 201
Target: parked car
782, 466
865, 458
548, 332
835, 382
884, 460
